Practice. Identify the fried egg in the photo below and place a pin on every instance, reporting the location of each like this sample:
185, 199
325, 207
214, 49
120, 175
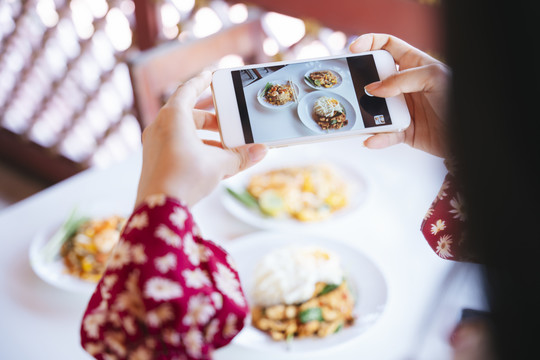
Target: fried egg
288, 275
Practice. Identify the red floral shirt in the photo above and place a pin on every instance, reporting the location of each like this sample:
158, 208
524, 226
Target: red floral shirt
166, 294
443, 224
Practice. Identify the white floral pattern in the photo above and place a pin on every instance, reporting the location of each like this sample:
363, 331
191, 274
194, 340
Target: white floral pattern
171, 337
141, 353
442, 192
169, 236
160, 315
231, 327
191, 248
138, 221
200, 310
193, 340
457, 208
92, 324
120, 255
211, 330
196, 278
165, 263
444, 246
438, 226
227, 283
156, 200
161, 289
179, 217
138, 254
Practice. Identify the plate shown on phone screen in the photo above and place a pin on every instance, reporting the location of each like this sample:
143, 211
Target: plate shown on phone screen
264, 102
307, 114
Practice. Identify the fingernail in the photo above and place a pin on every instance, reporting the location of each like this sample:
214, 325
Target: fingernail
257, 152
368, 89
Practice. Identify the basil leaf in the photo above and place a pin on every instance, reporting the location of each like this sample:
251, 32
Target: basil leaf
311, 314
327, 289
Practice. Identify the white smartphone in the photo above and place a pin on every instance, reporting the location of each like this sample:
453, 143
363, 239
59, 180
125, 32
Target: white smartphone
285, 103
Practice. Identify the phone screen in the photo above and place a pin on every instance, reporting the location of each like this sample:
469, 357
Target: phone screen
309, 98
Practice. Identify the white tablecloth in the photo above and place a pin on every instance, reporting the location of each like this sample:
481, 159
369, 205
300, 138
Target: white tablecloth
425, 293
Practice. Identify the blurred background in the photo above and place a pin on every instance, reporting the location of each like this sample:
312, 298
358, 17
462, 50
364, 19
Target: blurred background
80, 79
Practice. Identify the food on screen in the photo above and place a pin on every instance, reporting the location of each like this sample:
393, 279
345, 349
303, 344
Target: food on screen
329, 113
278, 94
324, 78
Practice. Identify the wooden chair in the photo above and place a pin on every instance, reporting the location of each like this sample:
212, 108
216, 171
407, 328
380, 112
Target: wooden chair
156, 72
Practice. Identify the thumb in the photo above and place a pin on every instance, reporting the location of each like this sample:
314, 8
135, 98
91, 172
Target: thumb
423, 78
244, 157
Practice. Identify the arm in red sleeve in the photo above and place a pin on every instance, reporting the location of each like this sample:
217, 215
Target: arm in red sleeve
443, 225
166, 294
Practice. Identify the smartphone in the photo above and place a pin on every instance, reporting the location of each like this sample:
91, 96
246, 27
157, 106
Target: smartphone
286, 103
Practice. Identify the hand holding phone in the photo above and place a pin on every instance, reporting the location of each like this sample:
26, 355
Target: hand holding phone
424, 81
288, 103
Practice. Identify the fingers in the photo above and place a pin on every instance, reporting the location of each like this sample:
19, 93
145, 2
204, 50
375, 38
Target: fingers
187, 94
381, 141
243, 157
424, 78
399, 49
205, 120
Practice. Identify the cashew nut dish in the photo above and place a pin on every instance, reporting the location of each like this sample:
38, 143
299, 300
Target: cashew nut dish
301, 291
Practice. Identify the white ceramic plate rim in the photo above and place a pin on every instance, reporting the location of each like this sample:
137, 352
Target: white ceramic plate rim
365, 278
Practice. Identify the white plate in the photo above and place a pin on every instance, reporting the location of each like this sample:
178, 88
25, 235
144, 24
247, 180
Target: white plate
338, 76
54, 271
266, 104
358, 183
305, 111
364, 276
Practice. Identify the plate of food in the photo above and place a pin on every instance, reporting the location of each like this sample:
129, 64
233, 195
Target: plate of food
295, 194
323, 79
306, 293
323, 112
278, 94
73, 255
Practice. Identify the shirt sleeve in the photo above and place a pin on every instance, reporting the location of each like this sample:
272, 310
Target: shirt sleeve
443, 225
166, 294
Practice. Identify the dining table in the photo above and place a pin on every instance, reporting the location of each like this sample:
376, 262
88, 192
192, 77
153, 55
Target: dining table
426, 294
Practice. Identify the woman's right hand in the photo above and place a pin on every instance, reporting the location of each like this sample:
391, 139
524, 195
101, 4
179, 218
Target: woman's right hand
424, 82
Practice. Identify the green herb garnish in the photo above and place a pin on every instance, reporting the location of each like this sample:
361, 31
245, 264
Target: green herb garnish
267, 87
68, 228
311, 314
245, 198
327, 288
